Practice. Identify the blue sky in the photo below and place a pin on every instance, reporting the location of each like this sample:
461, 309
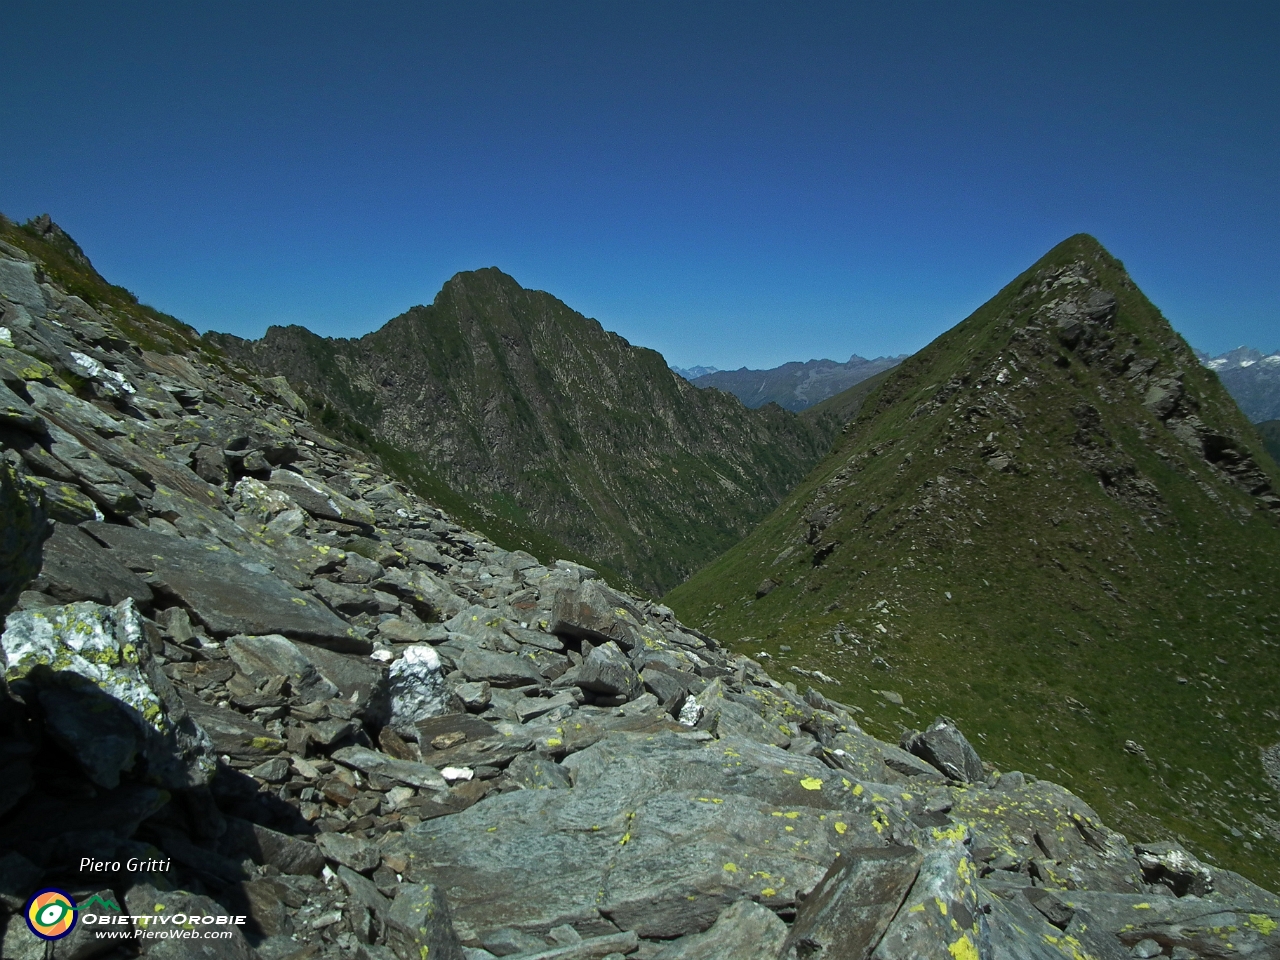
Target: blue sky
731, 184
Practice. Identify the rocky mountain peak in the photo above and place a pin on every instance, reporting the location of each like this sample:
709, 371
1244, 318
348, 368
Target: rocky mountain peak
48, 231
1036, 526
541, 418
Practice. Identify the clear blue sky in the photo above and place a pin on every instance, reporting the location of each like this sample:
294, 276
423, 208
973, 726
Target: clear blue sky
732, 184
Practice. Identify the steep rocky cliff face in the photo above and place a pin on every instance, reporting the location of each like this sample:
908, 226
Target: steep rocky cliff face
249, 676
1055, 526
535, 411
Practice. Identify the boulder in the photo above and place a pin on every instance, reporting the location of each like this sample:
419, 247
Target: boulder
227, 592
591, 611
497, 669
104, 699
420, 924
76, 567
416, 687
606, 670
846, 914
287, 854
940, 915
744, 931
945, 747
360, 855
401, 771
262, 658
145, 900
319, 499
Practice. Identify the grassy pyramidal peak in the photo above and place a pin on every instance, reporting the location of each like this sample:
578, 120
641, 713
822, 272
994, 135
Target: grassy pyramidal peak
1055, 526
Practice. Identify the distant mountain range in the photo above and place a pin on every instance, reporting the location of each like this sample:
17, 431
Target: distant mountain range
793, 386
693, 373
1252, 378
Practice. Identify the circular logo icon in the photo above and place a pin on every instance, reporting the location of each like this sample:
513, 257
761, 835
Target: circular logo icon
51, 914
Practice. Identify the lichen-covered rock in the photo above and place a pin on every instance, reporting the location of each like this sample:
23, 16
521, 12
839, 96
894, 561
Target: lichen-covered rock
606, 671
846, 914
103, 699
420, 925
939, 916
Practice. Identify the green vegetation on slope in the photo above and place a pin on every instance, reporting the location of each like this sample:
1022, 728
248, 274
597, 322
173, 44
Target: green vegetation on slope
539, 416
1055, 527
1269, 431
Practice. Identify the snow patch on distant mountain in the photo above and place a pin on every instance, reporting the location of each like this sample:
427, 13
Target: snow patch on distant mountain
1252, 379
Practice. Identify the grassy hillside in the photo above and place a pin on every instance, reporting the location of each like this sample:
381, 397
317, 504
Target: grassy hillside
1054, 526
1269, 431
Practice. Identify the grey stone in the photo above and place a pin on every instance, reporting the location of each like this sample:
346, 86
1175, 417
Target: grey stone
945, 747
16, 412
475, 696
18, 283
744, 931
848, 911
232, 733
420, 924
228, 593
267, 908
939, 916
275, 770
534, 707
506, 941
606, 670
261, 658
287, 854
360, 680
416, 687
594, 612
360, 855
498, 669
682, 829
1191, 923
1170, 864
666, 685
534, 772
319, 499
145, 900
22, 529
397, 630
401, 771
351, 600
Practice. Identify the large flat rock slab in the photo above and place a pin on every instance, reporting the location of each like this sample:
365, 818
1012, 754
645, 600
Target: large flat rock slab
664, 860
227, 592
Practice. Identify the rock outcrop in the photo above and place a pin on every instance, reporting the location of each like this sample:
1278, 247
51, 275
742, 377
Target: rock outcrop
375, 734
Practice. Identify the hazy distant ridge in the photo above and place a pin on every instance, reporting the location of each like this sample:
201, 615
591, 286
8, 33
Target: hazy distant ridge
793, 386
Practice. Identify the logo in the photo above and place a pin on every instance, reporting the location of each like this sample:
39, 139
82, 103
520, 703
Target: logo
51, 914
